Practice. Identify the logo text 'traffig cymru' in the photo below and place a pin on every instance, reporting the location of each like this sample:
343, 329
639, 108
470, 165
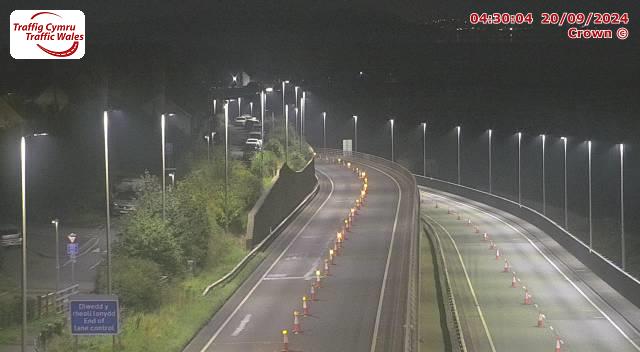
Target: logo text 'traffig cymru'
47, 34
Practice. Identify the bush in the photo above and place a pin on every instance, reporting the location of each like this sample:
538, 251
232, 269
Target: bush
136, 282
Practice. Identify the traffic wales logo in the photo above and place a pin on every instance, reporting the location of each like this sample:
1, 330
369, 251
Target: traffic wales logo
47, 34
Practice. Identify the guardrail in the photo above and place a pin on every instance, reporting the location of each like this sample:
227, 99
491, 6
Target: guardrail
56, 302
262, 243
451, 315
411, 324
622, 281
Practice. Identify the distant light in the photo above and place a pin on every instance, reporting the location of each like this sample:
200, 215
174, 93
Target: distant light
564, 139
287, 81
621, 148
40, 134
269, 89
235, 78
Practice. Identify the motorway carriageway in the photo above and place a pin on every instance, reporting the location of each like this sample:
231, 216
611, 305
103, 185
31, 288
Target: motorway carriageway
350, 314
579, 310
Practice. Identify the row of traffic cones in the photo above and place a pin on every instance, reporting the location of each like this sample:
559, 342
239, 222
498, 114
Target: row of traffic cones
335, 250
528, 298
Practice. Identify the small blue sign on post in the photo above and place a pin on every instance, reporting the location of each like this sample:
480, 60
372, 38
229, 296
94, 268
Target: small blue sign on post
94, 315
73, 249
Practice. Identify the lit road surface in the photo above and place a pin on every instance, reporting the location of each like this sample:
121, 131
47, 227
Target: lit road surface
581, 308
345, 315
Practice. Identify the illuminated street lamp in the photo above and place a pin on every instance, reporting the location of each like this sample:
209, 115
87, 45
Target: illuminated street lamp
283, 91
355, 133
286, 134
519, 168
392, 151
458, 129
172, 175
23, 179
107, 192
590, 199
226, 166
624, 254
207, 138
251, 107
490, 161
324, 130
56, 224
424, 149
566, 208
544, 183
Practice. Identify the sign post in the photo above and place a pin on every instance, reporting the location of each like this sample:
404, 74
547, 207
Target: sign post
92, 315
72, 251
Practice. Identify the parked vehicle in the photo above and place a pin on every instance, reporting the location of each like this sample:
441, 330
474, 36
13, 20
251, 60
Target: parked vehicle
10, 237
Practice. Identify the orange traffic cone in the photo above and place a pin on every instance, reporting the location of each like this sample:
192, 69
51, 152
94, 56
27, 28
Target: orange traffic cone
285, 341
469, 222
497, 253
327, 272
476, 229
506, 266
297, 329
527, 296
514, 283
558, 348
491, 245
485, 236
305, 306
318, 285
541, 318
312, 292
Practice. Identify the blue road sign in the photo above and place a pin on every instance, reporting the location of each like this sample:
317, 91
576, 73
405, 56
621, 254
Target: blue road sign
72, 249
94, 315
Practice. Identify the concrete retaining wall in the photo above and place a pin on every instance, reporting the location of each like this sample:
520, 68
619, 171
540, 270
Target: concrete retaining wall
276, 203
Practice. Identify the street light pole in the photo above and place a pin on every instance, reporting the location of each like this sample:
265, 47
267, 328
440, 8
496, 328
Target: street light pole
226, 167
164, 182
262, 106
355, 133
208, 148
251, 108
458, 128
424, 149
283, 91
303, 115
108, 196
566, 207
391, 121
239, 106
590, 212
622, 240
324, 130
286, 134
519, 168
296, 89
490, 160
56, 223
23, 156
544, 183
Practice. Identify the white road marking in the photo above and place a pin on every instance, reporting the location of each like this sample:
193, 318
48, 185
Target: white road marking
473, 293
269, 278
242, 325
235, 311
386, 268
552, 264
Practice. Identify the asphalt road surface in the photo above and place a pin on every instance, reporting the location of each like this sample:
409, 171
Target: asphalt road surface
585, 313
41, 262
349, 310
